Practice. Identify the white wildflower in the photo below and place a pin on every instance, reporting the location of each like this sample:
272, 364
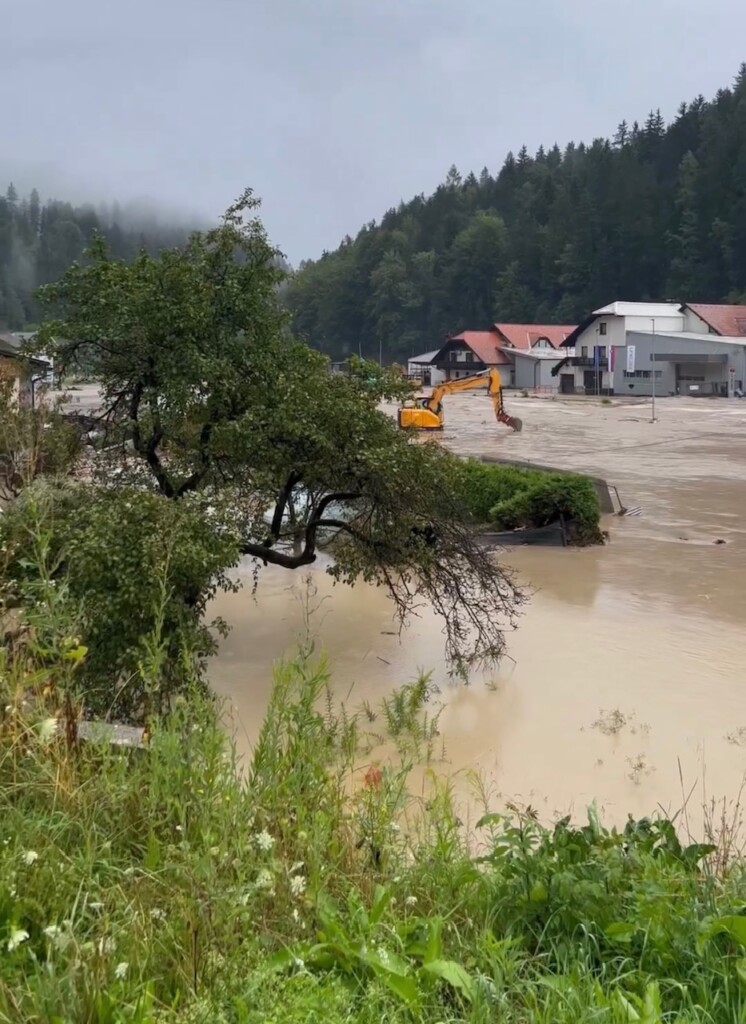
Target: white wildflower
120, 971
264, 841
299, 962
411, 901
96, 906
297, 885
394, 827
30, 857
17, 936
296, 915
157, 914
179, 828
105, 946
383, 955
265, 881
60, 937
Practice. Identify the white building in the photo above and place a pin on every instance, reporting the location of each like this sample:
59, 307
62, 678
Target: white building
668, 348
421, 368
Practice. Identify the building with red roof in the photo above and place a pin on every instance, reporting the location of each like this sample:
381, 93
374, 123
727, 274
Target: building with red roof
474, 351
725, 321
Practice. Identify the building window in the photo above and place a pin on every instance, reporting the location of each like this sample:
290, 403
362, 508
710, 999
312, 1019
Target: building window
691, 379
602, 328
601, 351
645, 375
583, 351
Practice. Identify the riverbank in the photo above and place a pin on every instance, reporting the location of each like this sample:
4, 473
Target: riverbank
154, 885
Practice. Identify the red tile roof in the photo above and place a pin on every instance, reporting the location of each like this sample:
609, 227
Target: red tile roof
730, 321
524, 336
484, 346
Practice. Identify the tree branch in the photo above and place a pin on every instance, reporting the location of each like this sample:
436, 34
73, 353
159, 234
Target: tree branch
271, 555
147, 449
282, 499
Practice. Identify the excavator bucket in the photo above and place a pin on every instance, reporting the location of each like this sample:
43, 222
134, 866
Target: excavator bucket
514, 422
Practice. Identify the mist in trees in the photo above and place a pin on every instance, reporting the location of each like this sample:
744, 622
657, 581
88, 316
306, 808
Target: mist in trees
39, 241
657, 212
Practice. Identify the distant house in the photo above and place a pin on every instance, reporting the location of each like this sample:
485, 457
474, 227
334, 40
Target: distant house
523, 353
534, 337
471, 352
421, 368
25, 372
662, 348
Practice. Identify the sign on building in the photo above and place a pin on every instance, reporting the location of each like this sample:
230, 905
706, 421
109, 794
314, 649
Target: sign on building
630, 358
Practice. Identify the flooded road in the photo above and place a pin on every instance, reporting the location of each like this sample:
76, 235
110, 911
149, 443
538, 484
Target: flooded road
628, 665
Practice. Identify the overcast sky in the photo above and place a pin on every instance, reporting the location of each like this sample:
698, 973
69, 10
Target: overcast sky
332, 110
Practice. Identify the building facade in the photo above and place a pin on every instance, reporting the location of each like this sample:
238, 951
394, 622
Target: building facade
500, 347
640, 348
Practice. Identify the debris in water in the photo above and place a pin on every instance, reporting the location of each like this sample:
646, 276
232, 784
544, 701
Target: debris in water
610, 723
719, 541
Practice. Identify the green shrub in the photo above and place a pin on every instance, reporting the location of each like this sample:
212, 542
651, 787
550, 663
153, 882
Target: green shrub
510, 498
548, 498
132, 566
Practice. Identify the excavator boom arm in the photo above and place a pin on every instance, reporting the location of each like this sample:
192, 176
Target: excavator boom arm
489, 379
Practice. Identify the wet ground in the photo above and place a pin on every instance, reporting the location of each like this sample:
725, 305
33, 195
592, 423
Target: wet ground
627, 671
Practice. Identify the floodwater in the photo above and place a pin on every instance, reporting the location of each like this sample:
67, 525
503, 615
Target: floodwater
626, 674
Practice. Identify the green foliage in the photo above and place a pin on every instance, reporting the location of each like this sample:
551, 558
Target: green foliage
549, 498
135, 569
657, 212
201, 380
509, 498
482, 485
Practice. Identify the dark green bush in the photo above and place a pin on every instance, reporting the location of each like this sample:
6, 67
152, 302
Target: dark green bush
547, 499
510, 498
136, 568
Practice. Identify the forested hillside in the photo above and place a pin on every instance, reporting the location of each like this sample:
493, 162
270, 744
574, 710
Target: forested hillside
657, 212
38, 242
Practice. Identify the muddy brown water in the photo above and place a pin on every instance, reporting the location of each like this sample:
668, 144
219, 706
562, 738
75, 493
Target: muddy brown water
627, 669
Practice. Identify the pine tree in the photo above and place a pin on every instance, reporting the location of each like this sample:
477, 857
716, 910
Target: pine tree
34, 212
621, 137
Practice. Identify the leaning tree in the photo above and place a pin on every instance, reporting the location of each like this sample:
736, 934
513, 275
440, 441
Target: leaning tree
206, 392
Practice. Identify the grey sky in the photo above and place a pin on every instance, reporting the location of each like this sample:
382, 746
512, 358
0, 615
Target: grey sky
333, 110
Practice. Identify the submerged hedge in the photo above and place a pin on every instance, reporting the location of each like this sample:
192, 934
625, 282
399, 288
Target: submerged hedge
509, 498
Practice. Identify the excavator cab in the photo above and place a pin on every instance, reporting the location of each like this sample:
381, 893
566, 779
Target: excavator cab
416, 414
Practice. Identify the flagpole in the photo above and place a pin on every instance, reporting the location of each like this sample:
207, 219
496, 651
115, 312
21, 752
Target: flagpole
654, 420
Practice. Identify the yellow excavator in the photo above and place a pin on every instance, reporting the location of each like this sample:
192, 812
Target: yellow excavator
425, 412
